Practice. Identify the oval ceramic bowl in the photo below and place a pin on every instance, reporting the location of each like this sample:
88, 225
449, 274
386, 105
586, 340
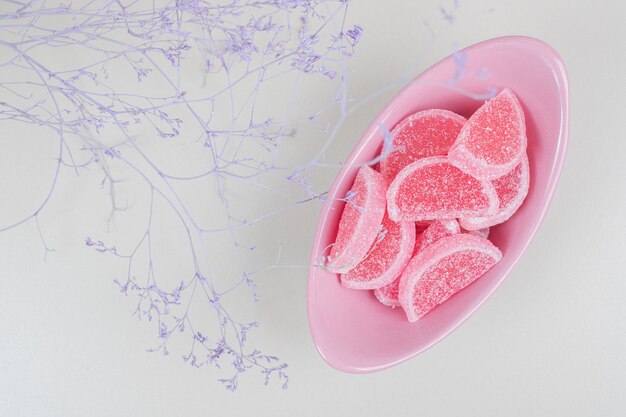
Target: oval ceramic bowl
351, 329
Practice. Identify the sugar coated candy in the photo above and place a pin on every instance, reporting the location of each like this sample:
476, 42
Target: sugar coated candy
388, 295
360, 221
512, 189
386, 259
493, 140
438, 229
423, 134
417, 233
442, 269
432, 188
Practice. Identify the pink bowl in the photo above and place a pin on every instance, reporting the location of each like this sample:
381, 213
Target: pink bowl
351, 329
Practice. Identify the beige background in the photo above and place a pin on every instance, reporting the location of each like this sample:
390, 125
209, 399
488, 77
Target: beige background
551, 342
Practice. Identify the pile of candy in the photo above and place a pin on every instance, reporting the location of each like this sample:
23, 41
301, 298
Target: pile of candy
416, 231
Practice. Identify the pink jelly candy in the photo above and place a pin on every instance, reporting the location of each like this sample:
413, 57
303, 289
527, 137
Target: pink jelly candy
360, 221
423, 134
432, 188
512, 189
386, 259
438, 229
388, 295
442, 269
493, 140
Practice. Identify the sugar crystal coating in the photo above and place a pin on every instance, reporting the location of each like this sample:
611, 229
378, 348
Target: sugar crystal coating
443, 269
388, 295
423, 134
360, 221
432, 188
512, 189
493, 140
386, 259
438, 229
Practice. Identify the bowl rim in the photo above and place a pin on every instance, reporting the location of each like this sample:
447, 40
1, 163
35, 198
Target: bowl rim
540, 47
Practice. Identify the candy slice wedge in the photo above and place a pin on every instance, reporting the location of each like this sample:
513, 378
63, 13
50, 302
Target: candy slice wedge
438, 229
432, 188
443, 269
360, 221
388, 295
423, 134
512, 189
386, 259
493, 140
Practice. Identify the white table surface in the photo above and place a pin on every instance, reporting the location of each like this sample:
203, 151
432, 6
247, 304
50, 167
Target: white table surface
551, 342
